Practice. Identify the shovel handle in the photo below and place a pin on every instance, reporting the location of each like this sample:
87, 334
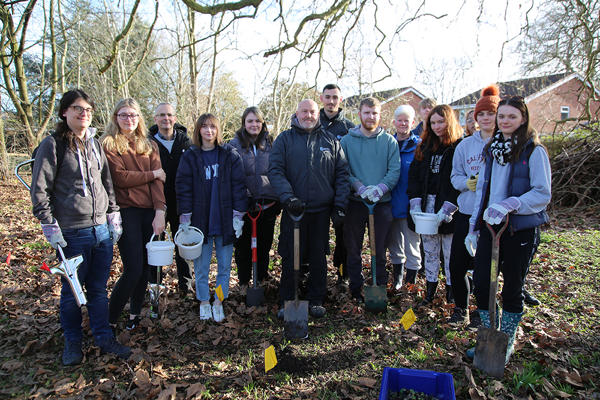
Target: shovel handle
494, 269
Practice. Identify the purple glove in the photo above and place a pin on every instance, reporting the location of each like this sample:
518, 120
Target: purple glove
471, 240
184, 222
377, 192
445, 213
415, 205
495, 213
54, 235
115, 226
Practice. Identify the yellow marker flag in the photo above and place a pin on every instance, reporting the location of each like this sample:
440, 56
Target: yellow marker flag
219, 291
341, 269
270, 358
408, 319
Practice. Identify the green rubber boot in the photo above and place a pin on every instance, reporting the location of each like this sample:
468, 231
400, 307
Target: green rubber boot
510, 323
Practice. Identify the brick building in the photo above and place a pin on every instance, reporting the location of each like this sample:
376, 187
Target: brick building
390, 100
556, 102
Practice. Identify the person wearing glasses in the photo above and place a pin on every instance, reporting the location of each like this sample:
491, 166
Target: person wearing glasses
172, 140
515, 183
73, 198
138, 179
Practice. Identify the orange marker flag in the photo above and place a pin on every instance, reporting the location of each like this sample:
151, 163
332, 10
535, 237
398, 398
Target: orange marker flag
8, 258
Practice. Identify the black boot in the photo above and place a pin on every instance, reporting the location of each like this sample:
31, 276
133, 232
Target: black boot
530, 300
431, 288
449, 294
411, 276
398, 276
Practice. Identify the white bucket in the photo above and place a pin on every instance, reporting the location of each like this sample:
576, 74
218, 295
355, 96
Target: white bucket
189, 243
425, 223
160, 252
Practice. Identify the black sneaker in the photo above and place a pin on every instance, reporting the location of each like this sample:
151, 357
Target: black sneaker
133, 323
530, 299
459, 317
110, 345
317, 310
358, 296
72, 354
475, 320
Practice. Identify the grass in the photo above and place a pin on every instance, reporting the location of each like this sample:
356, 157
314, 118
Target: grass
530, 378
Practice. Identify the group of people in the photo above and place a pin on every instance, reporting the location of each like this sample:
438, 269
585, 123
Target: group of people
90, 194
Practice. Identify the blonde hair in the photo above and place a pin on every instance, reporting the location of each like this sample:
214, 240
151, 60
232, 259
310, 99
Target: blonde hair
114, 140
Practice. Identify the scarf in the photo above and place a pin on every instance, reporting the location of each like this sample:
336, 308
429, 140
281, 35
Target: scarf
501, 148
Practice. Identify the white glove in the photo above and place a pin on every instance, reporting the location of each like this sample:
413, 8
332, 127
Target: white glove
471, 241
54, 235
238, 223
366, 194
377, 193
115, 225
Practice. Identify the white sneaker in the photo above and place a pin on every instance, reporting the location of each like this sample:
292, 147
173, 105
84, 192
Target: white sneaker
205, 312
217, 312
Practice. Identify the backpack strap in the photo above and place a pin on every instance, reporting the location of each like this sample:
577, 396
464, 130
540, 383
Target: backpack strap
61, 148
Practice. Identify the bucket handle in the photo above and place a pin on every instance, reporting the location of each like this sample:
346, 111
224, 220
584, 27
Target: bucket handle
168, 236
179, 231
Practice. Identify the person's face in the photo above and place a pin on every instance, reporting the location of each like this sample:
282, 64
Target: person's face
208, 132
252, 124
307, 114
470, 121
424, 112
438, 124
369, 117
165, 118
509, 119
403, 123
486, 120
127, 119
79, 115
331, 99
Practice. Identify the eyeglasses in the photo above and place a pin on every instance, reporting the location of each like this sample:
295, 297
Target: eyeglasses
81, 110
162, 115
127, 116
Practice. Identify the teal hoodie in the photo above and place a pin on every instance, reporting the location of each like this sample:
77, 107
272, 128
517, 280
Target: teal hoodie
372, 160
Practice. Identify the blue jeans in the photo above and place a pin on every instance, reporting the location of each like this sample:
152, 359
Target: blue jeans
202, 267
96, 247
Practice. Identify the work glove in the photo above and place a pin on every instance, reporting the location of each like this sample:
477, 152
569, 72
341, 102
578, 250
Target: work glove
495, 213
445, 213
184, 222
238, 222
363, 192
115, 226
337, 217
377, 192
54, 235
471, 240
415, 205
294, 206
472, 182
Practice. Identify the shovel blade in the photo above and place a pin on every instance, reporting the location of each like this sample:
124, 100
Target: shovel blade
295, 317
255, 297
376, 298
490, 351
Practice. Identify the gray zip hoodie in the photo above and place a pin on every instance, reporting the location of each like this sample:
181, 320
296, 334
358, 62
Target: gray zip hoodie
81, 194
468, 161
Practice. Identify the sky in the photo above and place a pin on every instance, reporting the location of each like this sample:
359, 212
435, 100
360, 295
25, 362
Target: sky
445, 58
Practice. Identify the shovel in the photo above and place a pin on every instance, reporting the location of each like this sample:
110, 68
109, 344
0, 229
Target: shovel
375, 296
490, 351
255, 296
295, 312
155, 289
68, 269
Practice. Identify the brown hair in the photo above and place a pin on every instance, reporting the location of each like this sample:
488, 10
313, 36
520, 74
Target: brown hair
203, 119
243, 135
369, 102
429, 140
114, 140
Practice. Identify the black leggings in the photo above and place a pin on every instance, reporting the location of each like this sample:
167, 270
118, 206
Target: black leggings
137, 230
460, 261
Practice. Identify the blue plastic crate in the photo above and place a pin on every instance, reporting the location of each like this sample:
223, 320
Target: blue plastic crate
438, 384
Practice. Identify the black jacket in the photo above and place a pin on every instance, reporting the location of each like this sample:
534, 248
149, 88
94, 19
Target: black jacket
418, 180
311, 166
338, 126
170, 161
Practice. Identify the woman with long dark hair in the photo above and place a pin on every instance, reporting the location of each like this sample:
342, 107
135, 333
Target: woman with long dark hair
254, 144
515, 184
430, 190
72, 195
137, 173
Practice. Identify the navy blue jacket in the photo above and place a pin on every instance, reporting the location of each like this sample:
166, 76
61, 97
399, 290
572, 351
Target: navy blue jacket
338, 126
191, 187
399, 195
518, 185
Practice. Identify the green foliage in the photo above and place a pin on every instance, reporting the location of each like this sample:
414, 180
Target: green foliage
530, 377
